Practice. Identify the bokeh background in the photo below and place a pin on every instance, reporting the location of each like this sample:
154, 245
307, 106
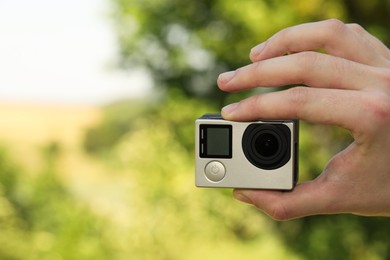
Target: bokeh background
97, 109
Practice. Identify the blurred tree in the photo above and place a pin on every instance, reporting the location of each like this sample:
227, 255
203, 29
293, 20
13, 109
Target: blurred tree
185, 45
373, 15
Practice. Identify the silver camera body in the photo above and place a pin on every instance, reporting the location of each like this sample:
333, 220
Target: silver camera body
248, 155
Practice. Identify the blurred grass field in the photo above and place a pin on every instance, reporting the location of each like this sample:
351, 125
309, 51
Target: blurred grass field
131, 194
26, 127
115, 194
34, 124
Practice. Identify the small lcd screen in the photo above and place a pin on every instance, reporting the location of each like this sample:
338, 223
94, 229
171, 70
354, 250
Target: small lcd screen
216, 141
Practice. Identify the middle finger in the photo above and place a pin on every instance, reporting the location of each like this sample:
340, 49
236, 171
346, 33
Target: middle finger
309, 68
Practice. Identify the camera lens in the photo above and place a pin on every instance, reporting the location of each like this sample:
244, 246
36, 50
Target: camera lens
267, 146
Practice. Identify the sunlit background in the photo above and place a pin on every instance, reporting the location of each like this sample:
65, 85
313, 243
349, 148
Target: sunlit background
97, 106
62, 52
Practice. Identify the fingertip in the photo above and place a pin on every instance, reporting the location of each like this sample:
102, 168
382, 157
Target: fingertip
240, 195
228, 110
256, 51
225, 77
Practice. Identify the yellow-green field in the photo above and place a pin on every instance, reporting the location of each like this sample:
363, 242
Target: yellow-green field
25, 129
64, 123
137, 224
136, 199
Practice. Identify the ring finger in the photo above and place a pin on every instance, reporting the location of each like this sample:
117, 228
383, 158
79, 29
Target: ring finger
335, 37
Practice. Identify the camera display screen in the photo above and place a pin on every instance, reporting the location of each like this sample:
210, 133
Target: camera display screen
216, 141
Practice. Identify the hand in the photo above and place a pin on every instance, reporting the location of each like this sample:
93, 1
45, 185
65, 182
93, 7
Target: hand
349, 87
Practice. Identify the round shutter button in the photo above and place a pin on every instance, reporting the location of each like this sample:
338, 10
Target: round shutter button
215, 171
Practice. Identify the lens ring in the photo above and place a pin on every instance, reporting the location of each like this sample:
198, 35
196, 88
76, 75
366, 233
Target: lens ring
255, 140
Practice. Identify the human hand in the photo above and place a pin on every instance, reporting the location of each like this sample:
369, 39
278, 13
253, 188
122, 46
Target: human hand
348, 87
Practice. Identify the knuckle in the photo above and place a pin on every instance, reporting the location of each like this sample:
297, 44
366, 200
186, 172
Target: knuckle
250, 107
284, 39
256, 101
335, 26
258, 68
298, 98
378, 107
283, 35
307, 60
278, 212
340, 67
330, 33
356, 27
384, 76
276, 207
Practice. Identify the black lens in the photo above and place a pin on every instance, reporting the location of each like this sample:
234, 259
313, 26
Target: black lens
267, 145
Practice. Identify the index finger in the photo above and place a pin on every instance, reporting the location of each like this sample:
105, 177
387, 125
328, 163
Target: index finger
316, 105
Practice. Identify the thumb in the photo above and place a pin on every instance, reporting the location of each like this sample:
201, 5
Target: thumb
310, 198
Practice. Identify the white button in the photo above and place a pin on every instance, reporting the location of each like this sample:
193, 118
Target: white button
215, 171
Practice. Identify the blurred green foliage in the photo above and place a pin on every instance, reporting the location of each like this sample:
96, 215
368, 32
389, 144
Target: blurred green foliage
171, 218
39, 219
174, 220
185, 45
116, 124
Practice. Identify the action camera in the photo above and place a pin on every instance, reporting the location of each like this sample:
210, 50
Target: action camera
248, 155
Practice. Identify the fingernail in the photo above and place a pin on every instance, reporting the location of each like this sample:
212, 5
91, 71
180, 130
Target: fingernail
255, 51
238, 195
229, 109
227, 76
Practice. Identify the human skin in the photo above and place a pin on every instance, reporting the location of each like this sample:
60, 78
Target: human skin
346, 85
